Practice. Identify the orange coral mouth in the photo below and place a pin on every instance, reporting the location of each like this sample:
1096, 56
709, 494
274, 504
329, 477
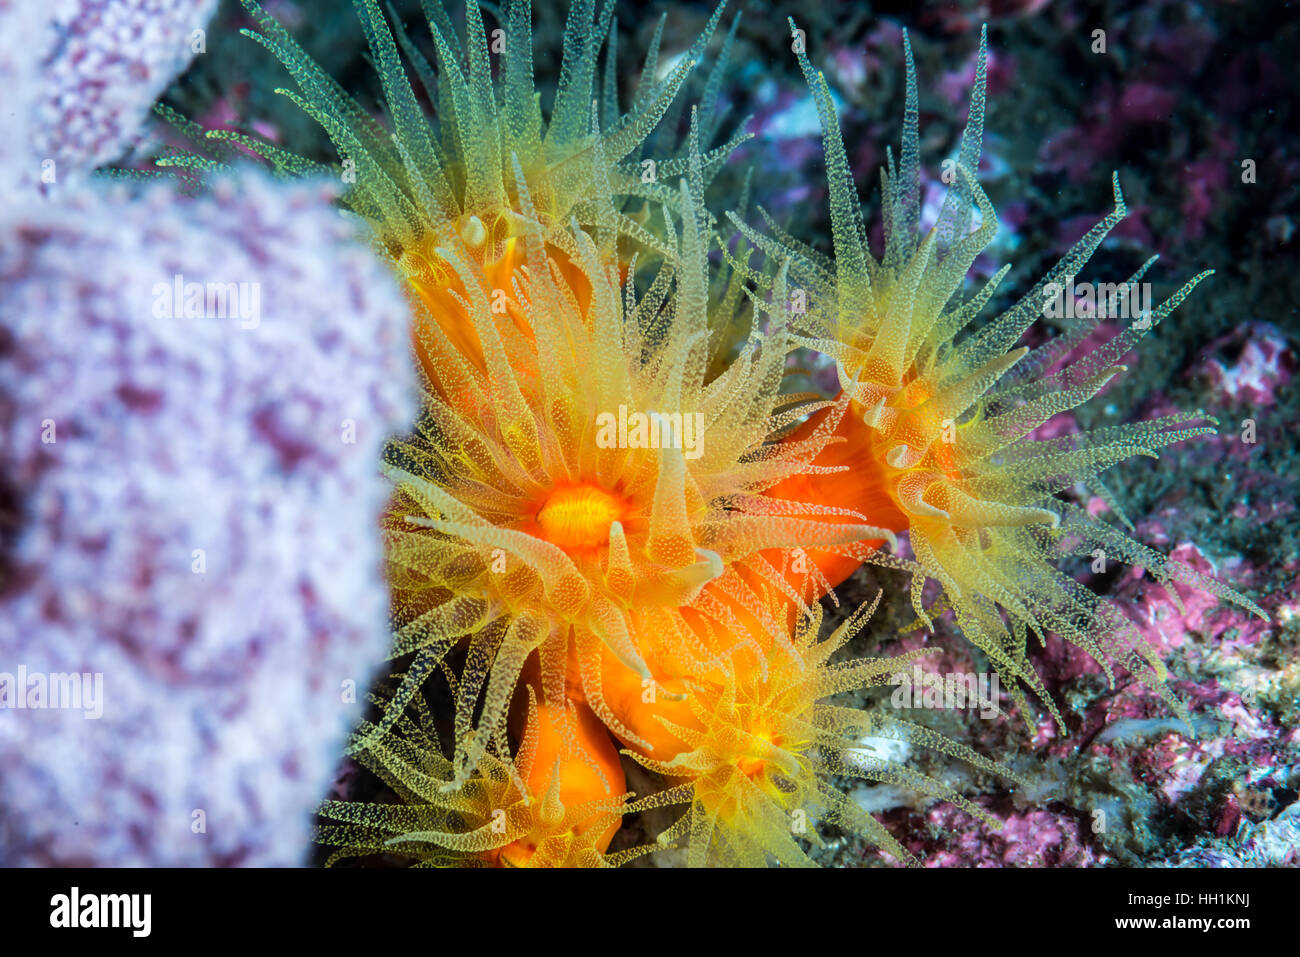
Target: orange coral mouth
751, 766
576, 516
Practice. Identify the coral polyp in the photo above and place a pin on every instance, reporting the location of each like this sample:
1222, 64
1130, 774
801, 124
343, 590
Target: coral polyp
551, 805
757, 751
943, 411
462, 176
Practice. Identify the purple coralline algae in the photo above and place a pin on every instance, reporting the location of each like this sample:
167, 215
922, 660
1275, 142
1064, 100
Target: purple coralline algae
193, 395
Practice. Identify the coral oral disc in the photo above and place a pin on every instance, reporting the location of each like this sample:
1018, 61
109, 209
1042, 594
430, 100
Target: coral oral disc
579, 516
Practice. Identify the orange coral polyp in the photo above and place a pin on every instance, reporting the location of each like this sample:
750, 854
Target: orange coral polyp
581, 753
871, 477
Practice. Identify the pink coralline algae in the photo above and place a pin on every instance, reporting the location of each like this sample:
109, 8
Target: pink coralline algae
197, 497
1264, 364
1034, 838
81, 75
1166, 620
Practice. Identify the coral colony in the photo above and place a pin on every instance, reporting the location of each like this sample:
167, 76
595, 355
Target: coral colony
665, 598
618, 538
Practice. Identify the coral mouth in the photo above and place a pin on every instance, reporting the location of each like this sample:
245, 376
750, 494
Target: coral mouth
578, 516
